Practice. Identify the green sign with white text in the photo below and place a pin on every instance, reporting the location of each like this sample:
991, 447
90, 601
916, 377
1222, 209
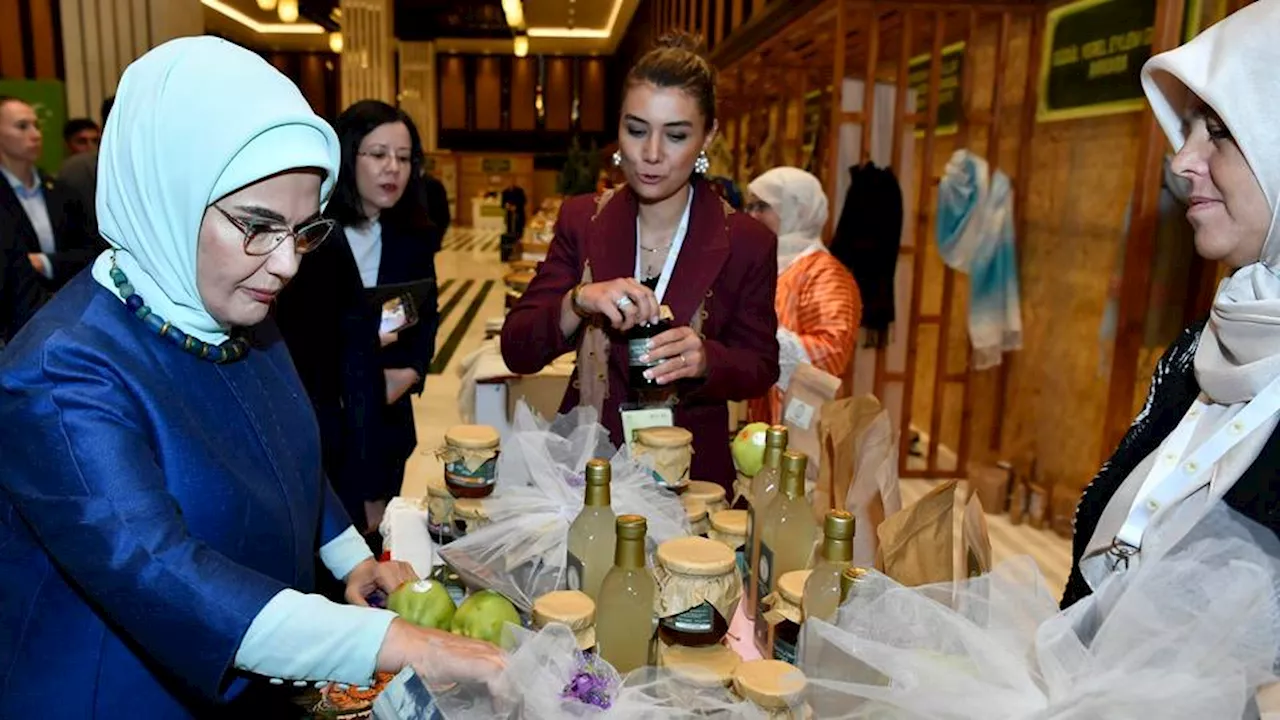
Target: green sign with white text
49, 99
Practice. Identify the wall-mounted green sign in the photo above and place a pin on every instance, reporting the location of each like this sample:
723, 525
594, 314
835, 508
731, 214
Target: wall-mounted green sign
49, 99
1093, 56
495, 166
949, 95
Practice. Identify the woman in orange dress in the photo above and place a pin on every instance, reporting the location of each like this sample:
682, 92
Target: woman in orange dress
817, 301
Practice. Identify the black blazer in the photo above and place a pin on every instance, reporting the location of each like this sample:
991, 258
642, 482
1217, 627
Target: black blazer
1173, 389
77, 244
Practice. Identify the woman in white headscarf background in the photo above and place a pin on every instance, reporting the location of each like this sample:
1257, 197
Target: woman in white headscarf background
163, 503
1208, 430
817, 301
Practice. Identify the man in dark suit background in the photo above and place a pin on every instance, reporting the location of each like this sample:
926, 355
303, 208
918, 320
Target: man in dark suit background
37, 215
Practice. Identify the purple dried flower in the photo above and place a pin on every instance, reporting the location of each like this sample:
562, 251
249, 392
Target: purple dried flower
591, 684
575, 480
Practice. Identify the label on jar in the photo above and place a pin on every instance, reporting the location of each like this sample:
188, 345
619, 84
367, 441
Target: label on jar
441, 534
573, 572
701, 619
458, 474
784, 650
636, 349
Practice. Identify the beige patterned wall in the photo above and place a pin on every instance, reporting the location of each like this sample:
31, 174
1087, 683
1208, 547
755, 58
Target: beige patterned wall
368, 63
418, 88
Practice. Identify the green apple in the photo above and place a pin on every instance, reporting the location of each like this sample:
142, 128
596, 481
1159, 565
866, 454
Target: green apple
425, 603
748, 448
482, 616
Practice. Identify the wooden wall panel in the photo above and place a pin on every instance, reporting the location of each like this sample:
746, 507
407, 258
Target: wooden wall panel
11, 41
591, 95
453, 92
558, 94
28, 40
524, 115
488, 93
43, 39
473, 181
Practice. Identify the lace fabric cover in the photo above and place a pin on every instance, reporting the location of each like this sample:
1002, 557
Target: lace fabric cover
1185, 635
521, 552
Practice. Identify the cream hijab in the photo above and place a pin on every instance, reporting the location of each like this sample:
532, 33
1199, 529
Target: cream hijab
194, 119
1231, 67
801, 205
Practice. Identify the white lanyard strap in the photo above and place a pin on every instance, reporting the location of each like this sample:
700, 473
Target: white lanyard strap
677, 241
1174, 479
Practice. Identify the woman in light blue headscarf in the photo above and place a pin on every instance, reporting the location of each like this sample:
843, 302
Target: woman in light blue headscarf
162, 495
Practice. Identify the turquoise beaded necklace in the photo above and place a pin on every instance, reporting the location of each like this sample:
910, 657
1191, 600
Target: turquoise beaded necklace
229, 351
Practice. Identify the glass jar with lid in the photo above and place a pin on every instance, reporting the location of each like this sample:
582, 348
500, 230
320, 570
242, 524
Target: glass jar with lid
696, 513
785, 614
776, 687
730, 527
468, 515
699, 588
440, 512
703, 667
709, 493
668, 453
571, 608
470, 457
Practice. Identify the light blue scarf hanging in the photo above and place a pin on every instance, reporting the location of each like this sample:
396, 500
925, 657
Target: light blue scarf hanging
975, 236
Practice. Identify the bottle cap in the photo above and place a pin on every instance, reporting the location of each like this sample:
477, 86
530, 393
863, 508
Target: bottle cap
839, 525
632, 527
794, 463
599, 472
776, 437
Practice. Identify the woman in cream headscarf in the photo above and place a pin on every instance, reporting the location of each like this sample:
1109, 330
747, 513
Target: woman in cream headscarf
1208, 430
163, 498
817, 301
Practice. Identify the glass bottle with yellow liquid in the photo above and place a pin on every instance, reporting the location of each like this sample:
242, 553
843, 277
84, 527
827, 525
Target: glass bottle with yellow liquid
788, 534
764, 486
822, 591
625, 609
592, 536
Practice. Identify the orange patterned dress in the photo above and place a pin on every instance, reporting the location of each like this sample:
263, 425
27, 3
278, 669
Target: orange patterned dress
818, 301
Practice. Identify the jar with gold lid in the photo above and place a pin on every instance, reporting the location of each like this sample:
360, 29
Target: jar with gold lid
776, 687
709, 493
698, 589
571, 608
440, 512
785, 614
668, 452
470, 457
696, 513
730, 527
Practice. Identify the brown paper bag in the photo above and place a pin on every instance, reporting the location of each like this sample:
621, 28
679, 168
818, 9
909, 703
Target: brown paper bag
842, 424
918, 544
975, 539
802, 409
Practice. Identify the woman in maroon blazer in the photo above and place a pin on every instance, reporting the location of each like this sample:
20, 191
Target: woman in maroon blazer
716, 269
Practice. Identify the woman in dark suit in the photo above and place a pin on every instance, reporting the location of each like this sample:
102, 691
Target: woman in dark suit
360, 384
665, 238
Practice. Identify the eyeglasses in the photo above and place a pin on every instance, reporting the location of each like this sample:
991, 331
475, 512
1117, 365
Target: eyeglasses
381, 155
756, 206
262, 238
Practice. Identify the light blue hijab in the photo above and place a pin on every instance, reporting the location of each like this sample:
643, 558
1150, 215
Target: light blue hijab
195, 119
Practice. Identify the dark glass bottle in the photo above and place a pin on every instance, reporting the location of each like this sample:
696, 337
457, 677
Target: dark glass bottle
638, 345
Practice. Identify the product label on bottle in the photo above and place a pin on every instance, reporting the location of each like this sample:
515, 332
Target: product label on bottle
784, 650
740, 555
573, 572
765, 568
636, 349
700, 619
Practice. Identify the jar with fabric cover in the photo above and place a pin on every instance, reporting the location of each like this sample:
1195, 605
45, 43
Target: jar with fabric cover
470, 458
699, 588
730, 528
668, 453
709, 493
572, 609
696, 513
776, 687
785, 614
440, 512
701, 667
468, 515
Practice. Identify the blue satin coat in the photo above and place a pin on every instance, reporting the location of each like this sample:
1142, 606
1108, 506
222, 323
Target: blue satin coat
151, 503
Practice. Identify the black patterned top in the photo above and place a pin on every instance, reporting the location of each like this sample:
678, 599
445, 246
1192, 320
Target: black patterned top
1256, 494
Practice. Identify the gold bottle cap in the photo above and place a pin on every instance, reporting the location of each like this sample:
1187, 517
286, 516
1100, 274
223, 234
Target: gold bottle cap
708, 492
632, 527
848, 579
469, 509
697, 556
599, 472
791, 586
776, 437
794, 462
706, 667
839, 525
472, 437
730, 522
664, 437
770, 684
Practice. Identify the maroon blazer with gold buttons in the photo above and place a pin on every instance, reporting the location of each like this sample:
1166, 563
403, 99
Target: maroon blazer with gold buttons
726, 273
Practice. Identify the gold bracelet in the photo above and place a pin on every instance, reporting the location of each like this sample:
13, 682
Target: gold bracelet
573, 303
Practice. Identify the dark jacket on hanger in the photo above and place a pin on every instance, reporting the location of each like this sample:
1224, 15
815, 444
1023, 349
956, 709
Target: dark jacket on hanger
867, 241
1173, 390
77, 245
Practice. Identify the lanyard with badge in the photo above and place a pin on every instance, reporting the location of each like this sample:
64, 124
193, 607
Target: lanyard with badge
1174, 479
639, 416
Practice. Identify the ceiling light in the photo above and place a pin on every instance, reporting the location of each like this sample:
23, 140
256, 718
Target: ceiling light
522, 46
335, 42
263, 28
514, 10
267, 5
288, 10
